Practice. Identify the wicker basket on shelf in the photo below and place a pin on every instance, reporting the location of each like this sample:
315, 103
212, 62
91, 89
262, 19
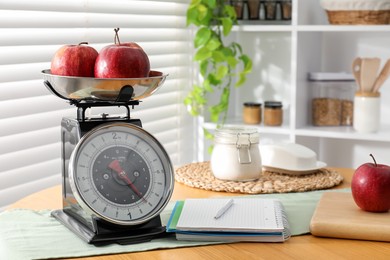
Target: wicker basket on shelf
357, 12
359, 17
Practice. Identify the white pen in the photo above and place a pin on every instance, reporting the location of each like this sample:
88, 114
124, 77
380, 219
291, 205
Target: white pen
222, 210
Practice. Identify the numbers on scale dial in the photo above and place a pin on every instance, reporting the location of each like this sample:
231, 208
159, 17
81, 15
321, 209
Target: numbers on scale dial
126, 173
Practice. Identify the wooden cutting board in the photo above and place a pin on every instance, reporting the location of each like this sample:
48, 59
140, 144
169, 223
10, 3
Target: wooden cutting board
338, 216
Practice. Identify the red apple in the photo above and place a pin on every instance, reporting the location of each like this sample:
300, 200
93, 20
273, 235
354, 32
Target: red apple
371, 187
74, 60
122, 60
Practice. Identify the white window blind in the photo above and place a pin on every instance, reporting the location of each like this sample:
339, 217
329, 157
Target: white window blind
31, 32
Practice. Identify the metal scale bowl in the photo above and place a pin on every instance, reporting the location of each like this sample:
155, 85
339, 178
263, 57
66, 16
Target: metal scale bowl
116, 177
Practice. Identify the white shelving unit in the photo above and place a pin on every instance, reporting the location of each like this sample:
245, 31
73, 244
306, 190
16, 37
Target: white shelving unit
283, 55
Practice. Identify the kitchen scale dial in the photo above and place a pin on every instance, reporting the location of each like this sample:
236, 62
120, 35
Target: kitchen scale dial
121, 173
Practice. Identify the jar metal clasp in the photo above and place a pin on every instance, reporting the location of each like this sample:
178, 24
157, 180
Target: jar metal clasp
243, 149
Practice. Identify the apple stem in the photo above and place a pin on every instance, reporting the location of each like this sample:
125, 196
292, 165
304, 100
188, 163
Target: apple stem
116, 38
83, 43
373, 159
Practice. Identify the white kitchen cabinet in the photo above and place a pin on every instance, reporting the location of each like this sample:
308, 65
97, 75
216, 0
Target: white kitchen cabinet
283, 55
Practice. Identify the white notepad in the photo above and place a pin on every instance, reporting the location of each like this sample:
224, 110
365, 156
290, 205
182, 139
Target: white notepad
246, 215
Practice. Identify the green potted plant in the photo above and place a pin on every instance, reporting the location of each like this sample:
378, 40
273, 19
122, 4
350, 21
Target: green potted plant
222, 63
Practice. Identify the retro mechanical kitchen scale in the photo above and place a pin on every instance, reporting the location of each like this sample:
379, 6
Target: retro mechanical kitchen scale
116, 177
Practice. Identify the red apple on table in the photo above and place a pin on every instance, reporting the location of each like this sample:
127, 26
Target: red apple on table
122, 60
371, 187
74, 60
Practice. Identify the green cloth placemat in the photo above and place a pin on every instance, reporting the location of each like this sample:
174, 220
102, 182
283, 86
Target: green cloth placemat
28, 234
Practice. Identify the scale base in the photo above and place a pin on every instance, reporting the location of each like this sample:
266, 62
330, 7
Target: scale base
132, 235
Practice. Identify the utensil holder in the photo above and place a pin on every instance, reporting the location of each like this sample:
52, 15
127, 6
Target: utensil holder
366, 112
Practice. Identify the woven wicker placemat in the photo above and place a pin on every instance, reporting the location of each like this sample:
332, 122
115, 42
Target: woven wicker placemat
199, 175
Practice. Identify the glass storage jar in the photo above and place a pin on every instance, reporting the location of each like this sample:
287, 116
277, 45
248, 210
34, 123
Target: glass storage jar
253, 9
252, 113
236, 154
273, 113
238, 6
332, 99
286, 7
270, 7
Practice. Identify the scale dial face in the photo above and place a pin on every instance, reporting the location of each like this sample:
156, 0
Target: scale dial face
121, 173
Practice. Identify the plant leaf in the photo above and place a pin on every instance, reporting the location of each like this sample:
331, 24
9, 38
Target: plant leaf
232, 61
213, 43
225, 98
237, 46
227, 51
247, 63
210, 148
231, 12
221, 72
213, 79
227, 25
202, 54
202, 11
203, 65
192, 16
202, 36
221, 108
214, 113
210, 3
195, 2
218, 56
208, 134
207, 87
241, 79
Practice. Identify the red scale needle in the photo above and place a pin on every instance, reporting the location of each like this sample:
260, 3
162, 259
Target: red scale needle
115, 165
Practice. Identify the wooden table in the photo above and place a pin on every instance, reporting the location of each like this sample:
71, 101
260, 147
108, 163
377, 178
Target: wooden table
298, 247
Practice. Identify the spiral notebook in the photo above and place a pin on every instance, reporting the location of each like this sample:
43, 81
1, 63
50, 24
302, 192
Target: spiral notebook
245, 219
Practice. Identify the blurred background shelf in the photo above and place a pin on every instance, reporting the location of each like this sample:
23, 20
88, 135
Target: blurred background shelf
283, 54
